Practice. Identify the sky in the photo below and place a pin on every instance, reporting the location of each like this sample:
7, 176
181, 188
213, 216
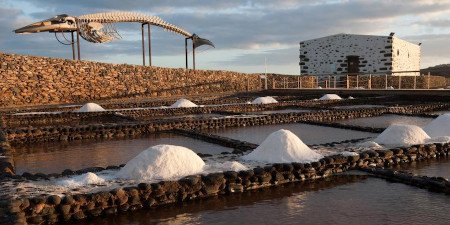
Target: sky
245, 33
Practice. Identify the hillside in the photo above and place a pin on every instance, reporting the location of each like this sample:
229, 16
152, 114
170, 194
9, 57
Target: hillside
439, 70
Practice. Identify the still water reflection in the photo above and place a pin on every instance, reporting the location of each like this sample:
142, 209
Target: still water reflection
344, 200
56, 157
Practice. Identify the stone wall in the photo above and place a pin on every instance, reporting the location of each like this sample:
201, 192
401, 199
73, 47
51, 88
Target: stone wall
29, 80
51, 209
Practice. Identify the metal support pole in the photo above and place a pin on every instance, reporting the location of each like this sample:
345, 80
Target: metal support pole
143, 45
149, 46
298, 82
399, 82
72, 43
193, 55
334, 82
78, 45
370, 81
428, 82
186, 51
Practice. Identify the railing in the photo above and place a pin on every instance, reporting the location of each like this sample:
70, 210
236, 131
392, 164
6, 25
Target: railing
388, 81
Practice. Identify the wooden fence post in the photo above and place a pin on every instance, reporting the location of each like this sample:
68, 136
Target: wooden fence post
348, 82
385, 81
357, 81
415, 82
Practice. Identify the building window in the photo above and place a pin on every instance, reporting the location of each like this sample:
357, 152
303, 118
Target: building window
398, 52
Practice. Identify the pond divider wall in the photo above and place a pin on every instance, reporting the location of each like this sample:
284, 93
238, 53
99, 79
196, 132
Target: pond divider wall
133, 129
54, 209
435, 184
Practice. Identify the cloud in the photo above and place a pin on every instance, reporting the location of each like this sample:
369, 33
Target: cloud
243, 31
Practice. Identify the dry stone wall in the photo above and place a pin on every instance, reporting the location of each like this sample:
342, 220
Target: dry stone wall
29, 80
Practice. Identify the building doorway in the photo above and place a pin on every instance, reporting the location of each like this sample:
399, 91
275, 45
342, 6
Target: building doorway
353, 64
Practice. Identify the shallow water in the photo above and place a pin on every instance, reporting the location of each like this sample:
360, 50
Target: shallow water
386, 120
309, 134
340, 201
439, 168
56, 157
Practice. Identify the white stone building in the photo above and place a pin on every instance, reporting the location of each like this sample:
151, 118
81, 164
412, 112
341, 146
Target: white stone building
359, 54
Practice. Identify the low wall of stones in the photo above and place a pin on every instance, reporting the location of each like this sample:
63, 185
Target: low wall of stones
75, 118
435, 184
56, 209
30, 80
26, 135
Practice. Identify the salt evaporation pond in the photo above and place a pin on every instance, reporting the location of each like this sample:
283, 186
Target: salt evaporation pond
338, 201
385, 120
56, 157
309, 134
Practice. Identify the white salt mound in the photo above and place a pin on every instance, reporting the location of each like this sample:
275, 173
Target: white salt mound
90, 107
162, 162
330, 97
439, 127
444, 139
347, 153
369, 144
280, 147
82, 180
230, 166
264, 100
183, 103
402, 135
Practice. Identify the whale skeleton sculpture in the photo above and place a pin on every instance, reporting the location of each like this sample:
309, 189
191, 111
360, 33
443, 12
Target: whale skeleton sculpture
100, 28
